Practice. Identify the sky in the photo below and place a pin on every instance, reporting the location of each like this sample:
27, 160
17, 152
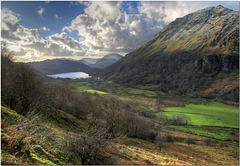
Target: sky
40, 30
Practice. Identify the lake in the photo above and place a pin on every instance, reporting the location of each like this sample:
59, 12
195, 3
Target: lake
72, 75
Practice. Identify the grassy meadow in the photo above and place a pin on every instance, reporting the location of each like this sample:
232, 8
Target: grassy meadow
85, 87
211, 114
215, 120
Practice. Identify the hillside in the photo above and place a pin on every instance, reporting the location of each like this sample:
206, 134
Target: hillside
30, 140
56, 66
88, 61
195, 55
56, 122
107, 61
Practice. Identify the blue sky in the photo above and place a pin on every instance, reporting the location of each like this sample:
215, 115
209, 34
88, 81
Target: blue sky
38, 30
30, 18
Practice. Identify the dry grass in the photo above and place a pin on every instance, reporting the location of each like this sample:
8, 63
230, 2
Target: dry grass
228, 83
147, 101
139, 152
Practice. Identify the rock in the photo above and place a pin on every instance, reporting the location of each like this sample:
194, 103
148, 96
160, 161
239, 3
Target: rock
217, 63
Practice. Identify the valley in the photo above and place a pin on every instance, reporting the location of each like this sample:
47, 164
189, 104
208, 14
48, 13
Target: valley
185, 144
203, 114
173, 99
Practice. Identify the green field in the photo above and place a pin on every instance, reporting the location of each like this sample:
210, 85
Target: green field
133, 91
211, 114
144, 92
84, 87
208, 119
220, 133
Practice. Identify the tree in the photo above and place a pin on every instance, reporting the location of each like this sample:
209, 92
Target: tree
20, 86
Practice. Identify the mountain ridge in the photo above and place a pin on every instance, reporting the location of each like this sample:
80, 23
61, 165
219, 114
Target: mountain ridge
57, 66
184, 56
107, 61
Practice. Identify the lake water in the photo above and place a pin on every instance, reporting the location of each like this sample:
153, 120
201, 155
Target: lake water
72, 75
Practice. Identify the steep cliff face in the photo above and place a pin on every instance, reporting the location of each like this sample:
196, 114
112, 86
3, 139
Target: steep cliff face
186, 56
217, 63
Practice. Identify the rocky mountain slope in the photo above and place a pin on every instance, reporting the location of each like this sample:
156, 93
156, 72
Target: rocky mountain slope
190, 55
56, 66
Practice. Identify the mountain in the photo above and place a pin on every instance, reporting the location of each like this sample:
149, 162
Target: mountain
89, 61
107, 61
56, 66
195, 55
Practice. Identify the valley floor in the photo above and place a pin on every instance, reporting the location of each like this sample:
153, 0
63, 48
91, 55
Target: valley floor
26, 142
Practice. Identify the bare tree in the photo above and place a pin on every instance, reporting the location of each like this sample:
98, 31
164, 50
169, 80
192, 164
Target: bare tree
89, 147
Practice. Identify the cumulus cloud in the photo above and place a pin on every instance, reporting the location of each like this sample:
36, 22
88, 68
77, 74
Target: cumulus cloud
9, 19
29, 46
65, 42
105, 28
44, 29
41, 11
15, 33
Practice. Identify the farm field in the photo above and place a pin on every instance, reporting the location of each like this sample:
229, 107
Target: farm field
92, 85
211, 114
210, 119
84, 87
133, 91
226, 134
214, 120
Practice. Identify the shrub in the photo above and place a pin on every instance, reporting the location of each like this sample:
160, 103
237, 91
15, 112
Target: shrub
152, 136
169, 138
208, 142
179, 119
189, 141
160, 141
89, 147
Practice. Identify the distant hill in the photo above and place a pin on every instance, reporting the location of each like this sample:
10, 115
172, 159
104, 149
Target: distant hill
58, 66
89, 61
107, 61
197, 54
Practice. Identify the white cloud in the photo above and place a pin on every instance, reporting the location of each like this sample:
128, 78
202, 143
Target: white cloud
105, 29
13, 32
57, 17
29, 46
41, 11
44, 29
85, 3
65, 42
